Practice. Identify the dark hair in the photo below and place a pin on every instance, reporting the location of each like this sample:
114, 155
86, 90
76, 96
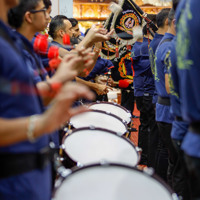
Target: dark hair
86, 32
171, 16
162, 16
16, 14
47, 3
73, 21
175, 4
56, 23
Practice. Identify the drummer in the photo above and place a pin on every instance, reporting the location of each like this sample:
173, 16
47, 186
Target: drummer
24, 129
60, 25
26, 29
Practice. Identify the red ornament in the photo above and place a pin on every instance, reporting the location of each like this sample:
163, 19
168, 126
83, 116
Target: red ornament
117, 52
56, 86
41, 44
54, 63
123, 83
53, 52
86, 71
66, 39
128, 47
46, 35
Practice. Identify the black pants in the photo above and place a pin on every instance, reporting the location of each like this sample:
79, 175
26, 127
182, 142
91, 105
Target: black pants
153, 136
193, 165
127, 100
148, 130
181, 176
143, 130
166, 152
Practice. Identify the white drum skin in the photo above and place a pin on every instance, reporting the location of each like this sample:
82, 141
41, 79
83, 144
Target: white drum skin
112, 182
88, 146
114, 108
99, 119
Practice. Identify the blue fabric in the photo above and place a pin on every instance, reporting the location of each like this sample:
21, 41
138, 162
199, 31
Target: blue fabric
179, 130
163, 114
54, 43
20, 102
162, 111
143, 79
39, 74
149, 86
160, 67
140, 57
188, 59
152, 50
138, 83
101, 67
174, 81
135, 55
191, 144
128, 66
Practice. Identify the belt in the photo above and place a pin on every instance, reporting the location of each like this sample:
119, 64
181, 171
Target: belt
14, 164
177, 118
195, 127
164, 101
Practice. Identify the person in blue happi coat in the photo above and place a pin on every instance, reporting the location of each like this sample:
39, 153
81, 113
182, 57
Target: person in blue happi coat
163, 116
179, 126
188, 61
61, 25
143, 90
24, 154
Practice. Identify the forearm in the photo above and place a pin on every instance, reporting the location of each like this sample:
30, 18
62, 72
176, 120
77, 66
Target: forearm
167, 83
15, 130
63, 52
86, 42
45, 92
91, 85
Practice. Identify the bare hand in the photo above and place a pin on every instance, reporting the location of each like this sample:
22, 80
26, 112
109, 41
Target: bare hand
61, 109
98, 34
102, 89
111, 82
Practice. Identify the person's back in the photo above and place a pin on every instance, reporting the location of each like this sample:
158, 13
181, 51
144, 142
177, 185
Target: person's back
19, 100
162, 28
137, 80
187, 50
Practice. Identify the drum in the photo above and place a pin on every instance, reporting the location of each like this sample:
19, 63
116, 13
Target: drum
99, 119
86, 146
114, 108
111, 182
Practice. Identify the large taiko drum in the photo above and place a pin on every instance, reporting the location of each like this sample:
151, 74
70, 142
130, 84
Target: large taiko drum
99, 119
87, 146
111, 182
113, 108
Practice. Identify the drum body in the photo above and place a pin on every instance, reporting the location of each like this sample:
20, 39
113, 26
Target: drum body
112, 182
99, 119
113, 108
87, 146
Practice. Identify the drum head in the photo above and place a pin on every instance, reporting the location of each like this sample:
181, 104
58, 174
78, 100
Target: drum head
111, 182
89, 146
114, 108
99, 119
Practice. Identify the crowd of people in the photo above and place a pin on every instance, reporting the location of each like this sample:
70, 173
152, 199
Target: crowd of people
37, 100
